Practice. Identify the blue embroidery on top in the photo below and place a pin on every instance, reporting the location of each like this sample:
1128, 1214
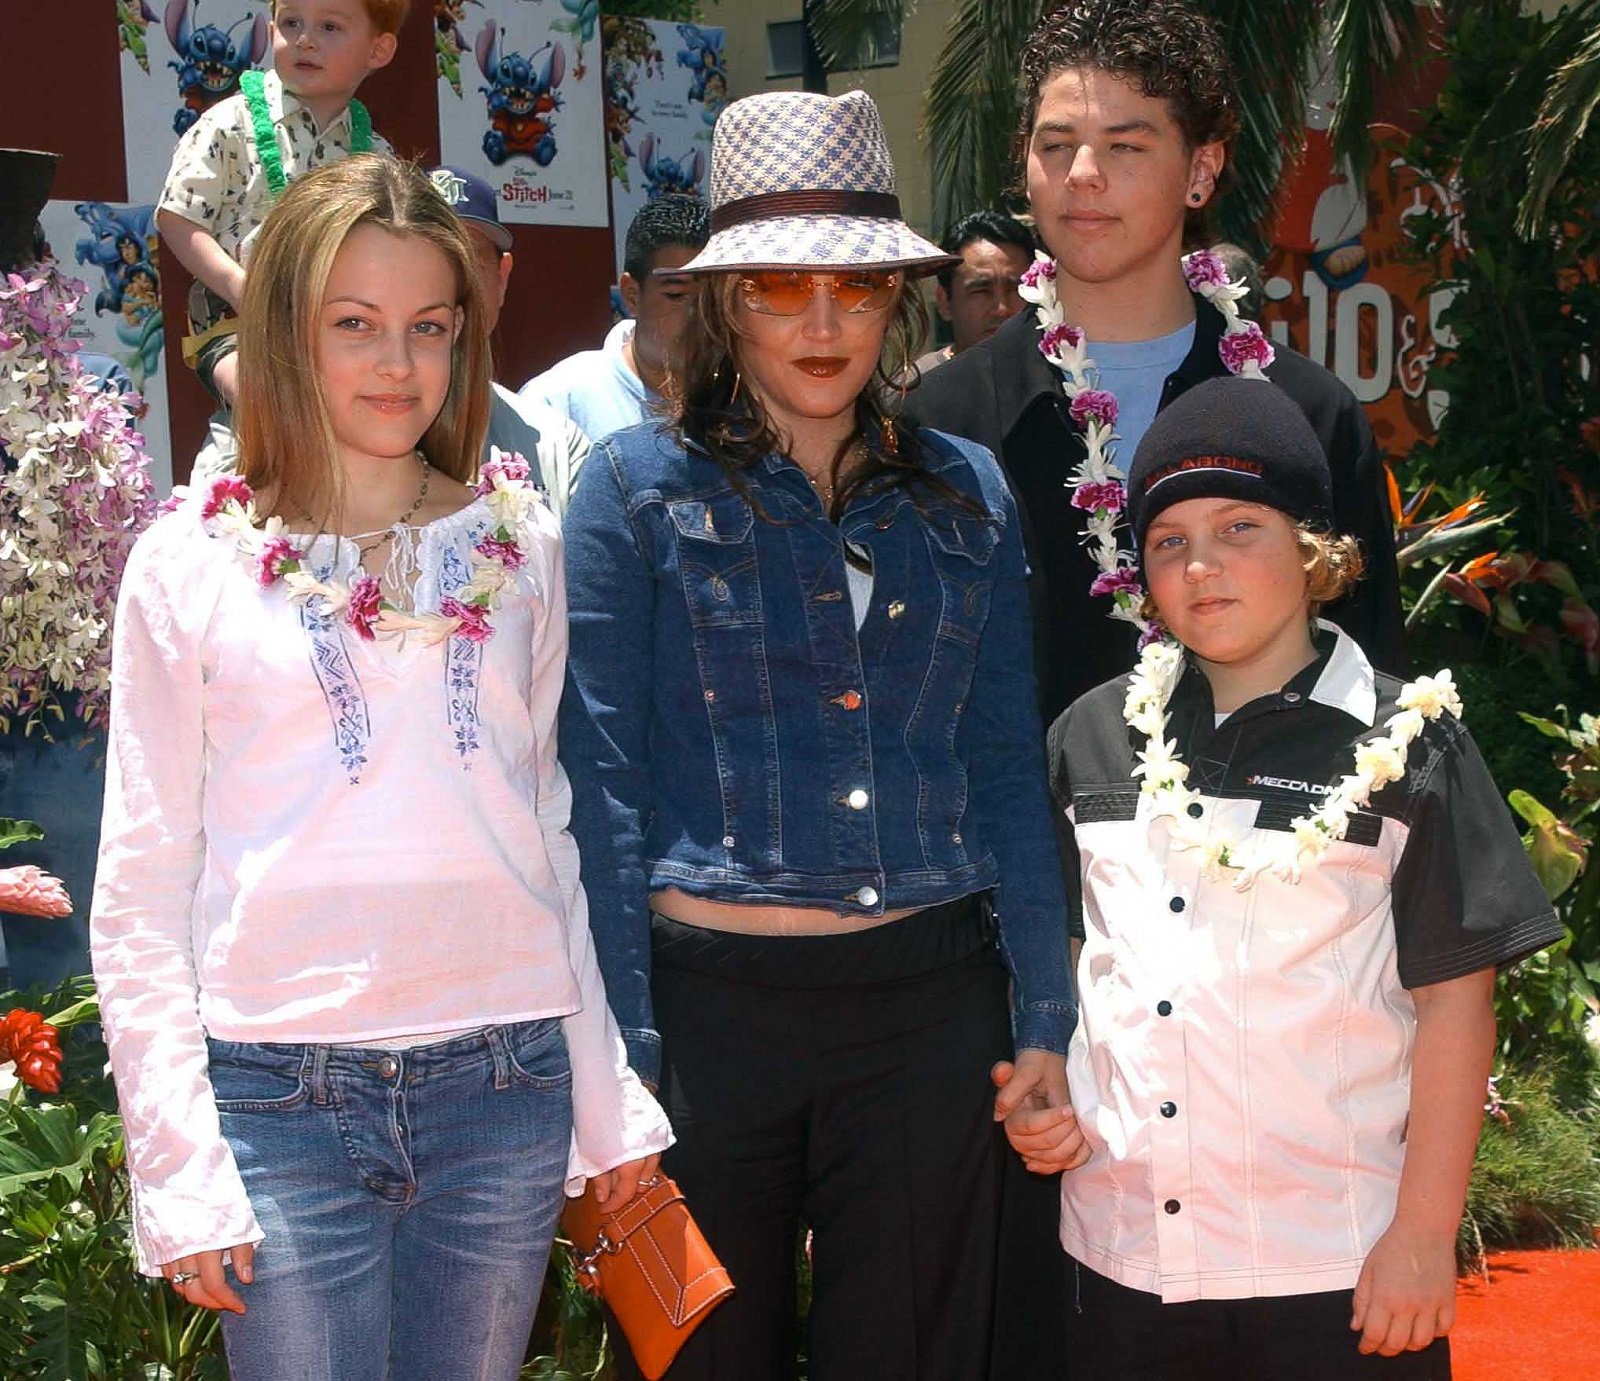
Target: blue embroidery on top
463, 660
341, 687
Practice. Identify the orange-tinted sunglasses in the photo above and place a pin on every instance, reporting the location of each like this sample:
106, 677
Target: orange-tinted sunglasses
788, 292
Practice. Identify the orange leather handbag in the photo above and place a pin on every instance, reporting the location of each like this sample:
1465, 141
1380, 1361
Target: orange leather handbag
652, 1266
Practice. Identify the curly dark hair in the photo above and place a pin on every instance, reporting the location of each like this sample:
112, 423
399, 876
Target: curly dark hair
711, 407
1164, 47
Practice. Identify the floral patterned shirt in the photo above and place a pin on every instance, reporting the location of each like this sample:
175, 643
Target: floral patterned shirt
216, 179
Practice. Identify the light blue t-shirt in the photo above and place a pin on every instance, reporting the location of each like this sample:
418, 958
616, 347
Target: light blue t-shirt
596, 389
1135, 372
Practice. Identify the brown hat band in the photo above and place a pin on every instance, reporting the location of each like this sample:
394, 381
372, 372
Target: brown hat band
814, 203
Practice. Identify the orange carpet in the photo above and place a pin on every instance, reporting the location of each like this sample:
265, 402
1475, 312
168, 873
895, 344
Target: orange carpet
1536, 1319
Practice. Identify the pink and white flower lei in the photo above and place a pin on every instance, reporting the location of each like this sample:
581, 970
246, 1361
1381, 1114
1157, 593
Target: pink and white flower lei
1099, 485
228, 510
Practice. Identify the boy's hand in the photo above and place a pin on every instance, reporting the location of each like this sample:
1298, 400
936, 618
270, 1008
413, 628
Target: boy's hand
1406, 1296
1035, 1106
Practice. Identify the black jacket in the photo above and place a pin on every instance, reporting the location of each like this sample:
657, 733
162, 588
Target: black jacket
1007, 396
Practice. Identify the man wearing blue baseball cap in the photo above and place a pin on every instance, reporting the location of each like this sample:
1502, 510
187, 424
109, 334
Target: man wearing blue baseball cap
549, 440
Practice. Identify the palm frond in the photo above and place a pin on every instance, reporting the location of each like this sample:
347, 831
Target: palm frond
1565, 113
1272, 47
973, 103
845, 31
1371, 40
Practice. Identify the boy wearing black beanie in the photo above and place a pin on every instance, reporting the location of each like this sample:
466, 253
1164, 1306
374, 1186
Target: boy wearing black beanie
1295, 880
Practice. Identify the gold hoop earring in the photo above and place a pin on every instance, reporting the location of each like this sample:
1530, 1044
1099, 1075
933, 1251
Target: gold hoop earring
738, 379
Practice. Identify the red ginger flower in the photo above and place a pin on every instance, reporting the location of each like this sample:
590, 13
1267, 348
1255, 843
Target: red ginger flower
30, 891
29, 1041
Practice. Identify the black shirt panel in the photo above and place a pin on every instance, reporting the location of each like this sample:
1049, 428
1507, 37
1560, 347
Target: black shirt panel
1465, 895
1005, 395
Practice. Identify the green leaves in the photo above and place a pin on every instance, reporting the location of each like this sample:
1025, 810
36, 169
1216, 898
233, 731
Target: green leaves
845, 31
1556, 850
973, 104
47, 1143
1565, 114
18, 832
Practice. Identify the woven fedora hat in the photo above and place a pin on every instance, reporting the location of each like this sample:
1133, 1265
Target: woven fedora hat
800, 180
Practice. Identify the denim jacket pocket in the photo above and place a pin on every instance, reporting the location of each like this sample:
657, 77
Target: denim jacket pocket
963, 549
717, 560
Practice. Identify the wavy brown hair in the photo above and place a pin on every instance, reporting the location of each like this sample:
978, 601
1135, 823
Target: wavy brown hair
712, 407
287, 447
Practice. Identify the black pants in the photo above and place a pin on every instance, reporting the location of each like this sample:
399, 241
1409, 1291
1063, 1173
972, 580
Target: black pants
840, 1082
1113, 1331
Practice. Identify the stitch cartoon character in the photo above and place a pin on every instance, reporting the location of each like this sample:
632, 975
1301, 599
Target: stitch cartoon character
210, 62
522, 98
133, 18
585, 14
449, 43
666, 176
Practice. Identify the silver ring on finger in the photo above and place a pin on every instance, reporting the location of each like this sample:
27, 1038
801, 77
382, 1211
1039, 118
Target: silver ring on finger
182, 1278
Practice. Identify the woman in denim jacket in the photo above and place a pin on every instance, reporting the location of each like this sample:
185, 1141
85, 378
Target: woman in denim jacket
809, 790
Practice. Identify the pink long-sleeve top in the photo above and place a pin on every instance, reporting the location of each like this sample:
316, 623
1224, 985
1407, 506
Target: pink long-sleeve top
309, 837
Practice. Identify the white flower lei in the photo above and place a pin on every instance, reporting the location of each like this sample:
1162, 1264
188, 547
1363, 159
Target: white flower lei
228, 510
1099, 485
1165, 794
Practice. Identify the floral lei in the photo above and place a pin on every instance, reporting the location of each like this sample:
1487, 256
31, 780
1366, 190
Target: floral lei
229, 509
1098, 485
1166, 795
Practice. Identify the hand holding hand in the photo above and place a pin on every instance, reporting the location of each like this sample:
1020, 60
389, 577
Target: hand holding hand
199, 1278
1406, 1296
616, 1187
1034, 1104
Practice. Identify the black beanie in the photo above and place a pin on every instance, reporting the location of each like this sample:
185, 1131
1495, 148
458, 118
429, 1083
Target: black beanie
1230, 438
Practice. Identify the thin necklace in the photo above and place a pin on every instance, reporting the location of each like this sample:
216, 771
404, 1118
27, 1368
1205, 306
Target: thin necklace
858, 448
362, 552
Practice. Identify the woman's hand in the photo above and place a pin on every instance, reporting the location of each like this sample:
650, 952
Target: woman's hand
616, 1187
199, 1278
1034, 1104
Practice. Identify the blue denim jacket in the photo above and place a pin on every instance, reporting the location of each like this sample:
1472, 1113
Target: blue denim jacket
729, 732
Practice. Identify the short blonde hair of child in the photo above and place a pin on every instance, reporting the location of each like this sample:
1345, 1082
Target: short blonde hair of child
387, 16
1332, 562
287, 448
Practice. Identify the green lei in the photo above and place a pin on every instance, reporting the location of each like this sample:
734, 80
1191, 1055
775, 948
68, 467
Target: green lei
253, 84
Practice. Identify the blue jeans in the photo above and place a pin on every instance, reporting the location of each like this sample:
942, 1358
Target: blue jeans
408, 1197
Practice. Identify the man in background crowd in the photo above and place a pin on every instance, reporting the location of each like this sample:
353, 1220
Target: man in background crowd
979, 295
620, 384
545, 437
